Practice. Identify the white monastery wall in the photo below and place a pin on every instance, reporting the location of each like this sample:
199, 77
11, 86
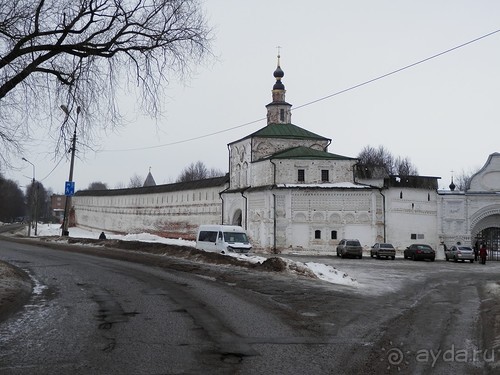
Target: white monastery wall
463, 215
411, 217
169, 214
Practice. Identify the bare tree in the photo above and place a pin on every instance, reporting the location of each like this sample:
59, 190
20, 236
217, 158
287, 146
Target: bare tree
97, 185
198, 171
83, 53
370, 157
463, 179
135, 181
404, 167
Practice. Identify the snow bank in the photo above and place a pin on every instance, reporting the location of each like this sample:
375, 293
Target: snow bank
315, 270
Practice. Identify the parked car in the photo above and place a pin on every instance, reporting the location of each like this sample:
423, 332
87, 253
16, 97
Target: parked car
383, 250
460, 252
350, 248
223, 238
419, 251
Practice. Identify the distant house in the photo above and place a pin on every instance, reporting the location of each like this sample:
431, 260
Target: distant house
292, 194
57, 203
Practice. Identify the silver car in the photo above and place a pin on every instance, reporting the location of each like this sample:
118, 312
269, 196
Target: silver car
350, 248
383, 250
459, 252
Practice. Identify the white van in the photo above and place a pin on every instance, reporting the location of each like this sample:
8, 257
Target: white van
222, 238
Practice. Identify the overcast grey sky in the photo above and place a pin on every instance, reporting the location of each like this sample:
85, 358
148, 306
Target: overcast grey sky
443, 114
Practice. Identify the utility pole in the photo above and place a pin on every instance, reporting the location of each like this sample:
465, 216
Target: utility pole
67, 204
34, 201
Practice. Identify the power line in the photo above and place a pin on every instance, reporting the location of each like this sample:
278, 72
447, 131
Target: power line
316, 100
53, 169
398, 70
186, 140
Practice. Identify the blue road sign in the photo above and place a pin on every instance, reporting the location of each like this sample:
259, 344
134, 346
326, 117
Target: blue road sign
69, 188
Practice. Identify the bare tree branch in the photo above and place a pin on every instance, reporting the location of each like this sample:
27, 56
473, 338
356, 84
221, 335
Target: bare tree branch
85, 52
380, 157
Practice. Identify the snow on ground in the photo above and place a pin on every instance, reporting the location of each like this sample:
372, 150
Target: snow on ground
321, 271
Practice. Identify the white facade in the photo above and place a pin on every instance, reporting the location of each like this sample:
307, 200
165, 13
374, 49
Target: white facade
291, 194
167, 210
464, 215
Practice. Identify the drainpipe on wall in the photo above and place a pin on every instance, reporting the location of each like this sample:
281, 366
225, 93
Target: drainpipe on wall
222, 205
328, 145
229, 164
383, 209
354, 172
274, 172
274, 206
246, 207
274, 223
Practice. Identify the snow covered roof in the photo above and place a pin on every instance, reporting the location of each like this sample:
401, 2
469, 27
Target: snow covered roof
326, 185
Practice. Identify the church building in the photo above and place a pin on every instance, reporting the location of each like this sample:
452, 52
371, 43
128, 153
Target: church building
291, 194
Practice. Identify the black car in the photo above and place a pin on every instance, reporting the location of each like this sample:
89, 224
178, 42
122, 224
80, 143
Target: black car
420, 251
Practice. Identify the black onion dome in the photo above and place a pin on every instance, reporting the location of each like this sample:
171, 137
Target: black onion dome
278, 73
452, 185
278, 85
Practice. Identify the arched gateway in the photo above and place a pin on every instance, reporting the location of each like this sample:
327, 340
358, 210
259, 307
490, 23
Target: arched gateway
473, 216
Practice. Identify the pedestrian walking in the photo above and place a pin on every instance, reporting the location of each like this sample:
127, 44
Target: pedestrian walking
102, 236
483, 253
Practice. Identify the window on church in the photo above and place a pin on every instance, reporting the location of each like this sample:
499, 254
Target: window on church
301, 175
282, 115
325, 176
317, 234
333, 235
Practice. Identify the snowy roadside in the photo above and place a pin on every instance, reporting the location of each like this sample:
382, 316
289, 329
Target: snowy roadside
310, 269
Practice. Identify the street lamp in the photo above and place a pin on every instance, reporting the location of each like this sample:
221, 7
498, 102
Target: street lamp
68, 194
34, 201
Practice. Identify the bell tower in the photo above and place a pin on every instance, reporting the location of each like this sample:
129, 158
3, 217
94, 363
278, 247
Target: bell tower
279, 111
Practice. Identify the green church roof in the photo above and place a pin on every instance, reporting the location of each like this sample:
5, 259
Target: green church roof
307, 153
286, 131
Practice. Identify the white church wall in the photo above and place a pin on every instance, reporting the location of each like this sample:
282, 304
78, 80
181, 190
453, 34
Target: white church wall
338, 170
239, 164
262, 173
310, 220
265, 147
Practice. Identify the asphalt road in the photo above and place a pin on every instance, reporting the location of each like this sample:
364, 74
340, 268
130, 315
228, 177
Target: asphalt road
91, 314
